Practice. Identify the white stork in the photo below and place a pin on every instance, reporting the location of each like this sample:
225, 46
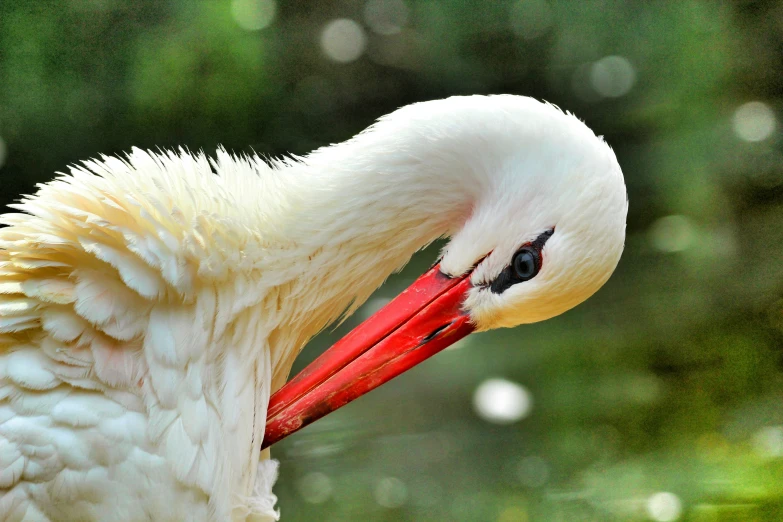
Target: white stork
149, 306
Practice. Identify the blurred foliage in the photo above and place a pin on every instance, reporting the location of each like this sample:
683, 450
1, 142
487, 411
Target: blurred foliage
658, 399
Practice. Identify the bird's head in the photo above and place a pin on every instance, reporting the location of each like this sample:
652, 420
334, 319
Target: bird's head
547, 228
543, 229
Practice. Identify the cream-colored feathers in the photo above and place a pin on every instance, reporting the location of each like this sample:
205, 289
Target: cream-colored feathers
149, 306
131, 364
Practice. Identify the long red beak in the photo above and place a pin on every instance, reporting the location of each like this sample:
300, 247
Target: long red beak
417, 324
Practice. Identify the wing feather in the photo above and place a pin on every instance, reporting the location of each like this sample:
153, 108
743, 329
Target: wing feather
113, 283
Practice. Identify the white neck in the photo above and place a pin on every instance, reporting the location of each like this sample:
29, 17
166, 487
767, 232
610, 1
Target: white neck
356, 213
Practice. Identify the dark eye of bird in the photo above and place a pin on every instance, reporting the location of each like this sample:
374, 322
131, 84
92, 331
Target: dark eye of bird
526, 264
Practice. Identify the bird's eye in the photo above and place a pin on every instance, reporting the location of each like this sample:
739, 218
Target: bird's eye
526, 264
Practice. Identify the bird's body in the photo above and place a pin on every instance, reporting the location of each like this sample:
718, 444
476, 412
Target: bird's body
149, 307
135, 369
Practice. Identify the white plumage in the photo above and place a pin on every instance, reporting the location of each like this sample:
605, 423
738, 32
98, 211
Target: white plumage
149, 306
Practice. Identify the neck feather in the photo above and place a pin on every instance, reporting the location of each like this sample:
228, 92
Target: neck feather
356, 213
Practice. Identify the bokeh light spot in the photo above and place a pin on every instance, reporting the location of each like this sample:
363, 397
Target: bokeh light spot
664, 507
754, 121
612, 76
343, 40
315, 487
530, 18
768, 441
386, 16
672, 233
391, 492
253, 15
501, 401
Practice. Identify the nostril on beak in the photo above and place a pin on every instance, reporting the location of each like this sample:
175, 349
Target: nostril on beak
433, 334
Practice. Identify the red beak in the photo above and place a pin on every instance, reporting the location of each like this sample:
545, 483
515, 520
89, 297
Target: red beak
423, 320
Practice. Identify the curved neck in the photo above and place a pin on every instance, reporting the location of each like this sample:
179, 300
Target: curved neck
367, 190
355, 213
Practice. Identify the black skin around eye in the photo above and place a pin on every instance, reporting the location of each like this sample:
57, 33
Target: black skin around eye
524, 266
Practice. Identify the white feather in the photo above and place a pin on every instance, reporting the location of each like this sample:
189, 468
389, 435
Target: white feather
149, 307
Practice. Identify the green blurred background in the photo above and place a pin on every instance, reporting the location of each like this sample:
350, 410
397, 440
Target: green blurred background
659, 399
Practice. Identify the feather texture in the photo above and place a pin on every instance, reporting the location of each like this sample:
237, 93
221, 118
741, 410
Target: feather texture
110, 324
149, 306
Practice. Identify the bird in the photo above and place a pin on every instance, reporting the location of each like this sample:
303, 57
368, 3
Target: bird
151, 304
